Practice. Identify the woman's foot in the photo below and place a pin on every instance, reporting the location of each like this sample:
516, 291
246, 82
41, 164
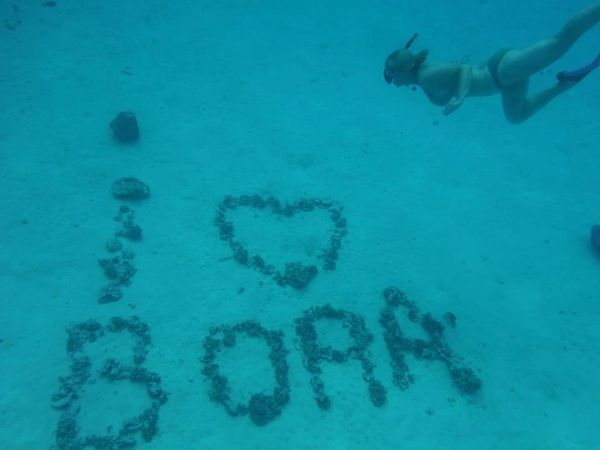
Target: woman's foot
577, 75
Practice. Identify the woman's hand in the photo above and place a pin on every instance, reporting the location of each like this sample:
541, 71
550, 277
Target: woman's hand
452, 106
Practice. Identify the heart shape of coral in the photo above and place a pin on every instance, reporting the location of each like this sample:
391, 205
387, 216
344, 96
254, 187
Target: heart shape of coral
295, 274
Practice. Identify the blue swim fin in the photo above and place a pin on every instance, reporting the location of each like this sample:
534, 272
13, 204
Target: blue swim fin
578, 74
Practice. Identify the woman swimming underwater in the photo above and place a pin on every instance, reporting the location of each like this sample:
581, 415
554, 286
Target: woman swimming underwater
507, 72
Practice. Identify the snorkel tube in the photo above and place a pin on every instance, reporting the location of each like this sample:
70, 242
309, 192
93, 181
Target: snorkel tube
410, 41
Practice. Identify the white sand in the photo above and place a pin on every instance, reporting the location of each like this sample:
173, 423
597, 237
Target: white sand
466, 214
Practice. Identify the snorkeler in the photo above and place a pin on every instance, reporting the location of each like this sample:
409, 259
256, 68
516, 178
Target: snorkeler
507, 72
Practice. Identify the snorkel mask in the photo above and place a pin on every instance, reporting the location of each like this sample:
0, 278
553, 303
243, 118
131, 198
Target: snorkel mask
401, 57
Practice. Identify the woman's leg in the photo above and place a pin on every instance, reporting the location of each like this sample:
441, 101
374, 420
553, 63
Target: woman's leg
518, 106
517, 65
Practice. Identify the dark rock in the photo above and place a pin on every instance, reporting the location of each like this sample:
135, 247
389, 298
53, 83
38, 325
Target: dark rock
298, 275
450, 319
465, 379
66, 430
377, 393
432, 326
130, 231
110, 293
119, 270
595, 238
127, 254
63, 398
125, 127
263, 409
239, 252
113, 245
130, 188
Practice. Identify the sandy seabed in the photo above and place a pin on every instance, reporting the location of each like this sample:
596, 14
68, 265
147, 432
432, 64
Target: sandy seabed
465, 214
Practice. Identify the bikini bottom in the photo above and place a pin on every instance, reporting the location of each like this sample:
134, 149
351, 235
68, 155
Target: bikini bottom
493, 64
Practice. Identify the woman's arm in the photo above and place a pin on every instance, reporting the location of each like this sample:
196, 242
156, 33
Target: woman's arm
464, 81
465, 76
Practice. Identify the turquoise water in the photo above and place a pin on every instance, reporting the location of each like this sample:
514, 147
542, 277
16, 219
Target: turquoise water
293, 253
